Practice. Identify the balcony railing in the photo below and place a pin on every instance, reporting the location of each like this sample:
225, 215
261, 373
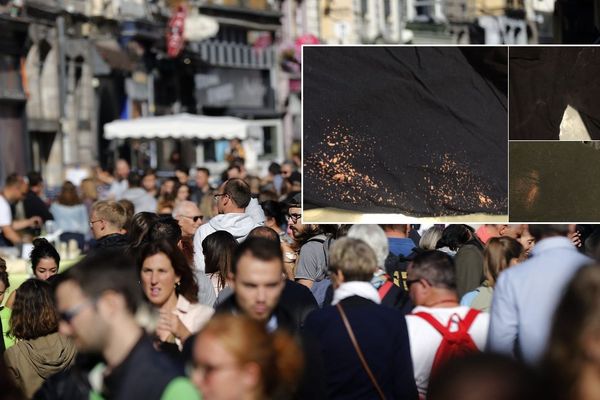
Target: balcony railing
235, 55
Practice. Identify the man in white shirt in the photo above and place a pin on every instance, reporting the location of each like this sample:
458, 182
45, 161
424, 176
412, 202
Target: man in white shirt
14, 190
232, 199
432, 287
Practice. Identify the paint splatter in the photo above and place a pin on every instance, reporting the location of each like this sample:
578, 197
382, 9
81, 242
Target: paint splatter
345, 165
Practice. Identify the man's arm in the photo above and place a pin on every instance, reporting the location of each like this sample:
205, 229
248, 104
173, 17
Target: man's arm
308, 266
17, 225
10, 234
504, 322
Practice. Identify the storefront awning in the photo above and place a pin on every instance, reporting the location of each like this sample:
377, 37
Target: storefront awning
180, 126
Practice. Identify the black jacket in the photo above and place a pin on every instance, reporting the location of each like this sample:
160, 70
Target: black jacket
70, 384
382, 335
114, 241
34, 206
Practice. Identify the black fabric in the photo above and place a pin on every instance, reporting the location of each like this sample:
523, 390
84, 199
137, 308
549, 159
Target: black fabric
554, 181
72, 383
143, 365
285, 319
114, 241
382, 335
299, 300
34, 206
413, 130
543, 81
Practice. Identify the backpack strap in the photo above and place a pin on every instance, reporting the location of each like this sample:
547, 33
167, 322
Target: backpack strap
433, 322
384, 289
469, 319
463, 324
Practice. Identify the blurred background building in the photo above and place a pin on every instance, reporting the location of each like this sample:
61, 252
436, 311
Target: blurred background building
68, 67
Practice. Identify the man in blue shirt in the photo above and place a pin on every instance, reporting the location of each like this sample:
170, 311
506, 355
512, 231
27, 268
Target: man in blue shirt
527, 294
400, 244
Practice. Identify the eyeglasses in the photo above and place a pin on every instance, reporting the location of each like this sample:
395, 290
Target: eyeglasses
216, 196
93, 222
195, 218
294, 217
71, 313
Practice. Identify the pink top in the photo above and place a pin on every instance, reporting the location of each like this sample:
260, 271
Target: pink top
193, 316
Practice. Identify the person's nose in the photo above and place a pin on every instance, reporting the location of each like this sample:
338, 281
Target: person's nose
261, 294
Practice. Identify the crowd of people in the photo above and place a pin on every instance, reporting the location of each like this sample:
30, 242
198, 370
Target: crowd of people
223, 293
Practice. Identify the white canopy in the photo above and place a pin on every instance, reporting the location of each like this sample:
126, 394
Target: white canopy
180, 126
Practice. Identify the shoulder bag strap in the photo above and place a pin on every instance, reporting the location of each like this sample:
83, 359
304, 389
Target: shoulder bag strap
358, 351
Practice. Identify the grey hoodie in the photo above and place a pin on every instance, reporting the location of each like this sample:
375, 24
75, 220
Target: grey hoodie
31, 362
238, 224
142, 200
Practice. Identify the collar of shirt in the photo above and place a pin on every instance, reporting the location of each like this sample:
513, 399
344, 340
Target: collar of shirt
557, 242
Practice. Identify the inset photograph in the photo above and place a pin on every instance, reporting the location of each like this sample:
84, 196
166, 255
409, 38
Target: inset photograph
554, 181
554, 93
409, 131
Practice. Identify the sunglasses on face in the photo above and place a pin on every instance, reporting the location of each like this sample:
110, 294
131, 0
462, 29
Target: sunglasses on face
195, 218
71, 313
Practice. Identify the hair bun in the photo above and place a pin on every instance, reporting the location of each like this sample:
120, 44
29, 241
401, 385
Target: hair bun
40, 242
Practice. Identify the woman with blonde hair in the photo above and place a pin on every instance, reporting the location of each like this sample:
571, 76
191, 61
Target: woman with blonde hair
501, 253
235, 358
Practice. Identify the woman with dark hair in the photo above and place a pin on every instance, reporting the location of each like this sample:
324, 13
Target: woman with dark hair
70, 214
182, 193
252, 363
572, 360
218, 248
40, 351
468, 258
45, 261
44, 258
170, 286
274, 217
139, 227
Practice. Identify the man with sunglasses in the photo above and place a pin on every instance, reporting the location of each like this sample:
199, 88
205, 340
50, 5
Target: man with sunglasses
189, 217
432, 287
231, 199
97, 301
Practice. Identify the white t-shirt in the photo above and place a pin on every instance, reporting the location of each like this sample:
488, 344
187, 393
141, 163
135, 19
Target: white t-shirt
5, 213
425, 339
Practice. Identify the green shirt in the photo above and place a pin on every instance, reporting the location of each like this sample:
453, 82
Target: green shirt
178, 389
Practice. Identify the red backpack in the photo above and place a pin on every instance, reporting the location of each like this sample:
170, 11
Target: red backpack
454, 344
